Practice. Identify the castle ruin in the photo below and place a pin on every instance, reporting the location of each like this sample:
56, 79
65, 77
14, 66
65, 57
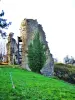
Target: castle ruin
12, 49
28, 30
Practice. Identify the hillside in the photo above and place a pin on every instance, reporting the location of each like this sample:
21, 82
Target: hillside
65, 72
32, 86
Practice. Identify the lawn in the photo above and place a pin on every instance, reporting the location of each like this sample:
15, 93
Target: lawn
32, 86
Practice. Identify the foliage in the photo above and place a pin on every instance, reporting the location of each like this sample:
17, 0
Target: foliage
1, 58
3, 24
68, 60
55, 60
31, 86
36, 54
65, 72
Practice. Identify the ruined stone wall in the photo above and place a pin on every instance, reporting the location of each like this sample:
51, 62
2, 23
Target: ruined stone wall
11, 49
29, 28
8, 46
24, 37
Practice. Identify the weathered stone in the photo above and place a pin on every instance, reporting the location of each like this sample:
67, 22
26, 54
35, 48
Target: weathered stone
11, 49
29, 28
48, 69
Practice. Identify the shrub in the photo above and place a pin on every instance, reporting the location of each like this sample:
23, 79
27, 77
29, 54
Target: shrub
65, 72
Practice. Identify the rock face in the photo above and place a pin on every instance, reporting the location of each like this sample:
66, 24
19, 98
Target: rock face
28, 29
11, 49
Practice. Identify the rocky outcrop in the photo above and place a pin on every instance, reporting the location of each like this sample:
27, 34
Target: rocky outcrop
28, 29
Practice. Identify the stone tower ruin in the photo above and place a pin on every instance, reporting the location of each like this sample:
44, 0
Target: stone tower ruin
28, 29
12, 49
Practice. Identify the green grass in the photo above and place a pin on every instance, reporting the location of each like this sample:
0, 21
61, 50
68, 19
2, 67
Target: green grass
32, 86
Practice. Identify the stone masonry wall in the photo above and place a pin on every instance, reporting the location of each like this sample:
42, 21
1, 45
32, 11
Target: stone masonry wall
11, 49
28, 29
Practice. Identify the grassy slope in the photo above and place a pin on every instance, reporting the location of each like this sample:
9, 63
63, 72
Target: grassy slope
31, 86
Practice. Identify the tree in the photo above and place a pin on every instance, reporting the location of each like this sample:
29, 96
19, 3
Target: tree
3, 24
36, 54
55, 60
68, 60
1, 57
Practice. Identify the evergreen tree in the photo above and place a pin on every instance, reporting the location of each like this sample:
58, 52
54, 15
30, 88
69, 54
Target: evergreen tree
36, 54
3, 24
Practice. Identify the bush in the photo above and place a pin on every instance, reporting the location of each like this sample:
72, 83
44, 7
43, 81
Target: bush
65, 72
36, 54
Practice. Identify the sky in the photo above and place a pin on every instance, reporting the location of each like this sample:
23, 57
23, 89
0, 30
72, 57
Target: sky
56, 16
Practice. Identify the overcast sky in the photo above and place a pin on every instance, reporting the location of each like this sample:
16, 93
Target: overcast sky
56, 16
